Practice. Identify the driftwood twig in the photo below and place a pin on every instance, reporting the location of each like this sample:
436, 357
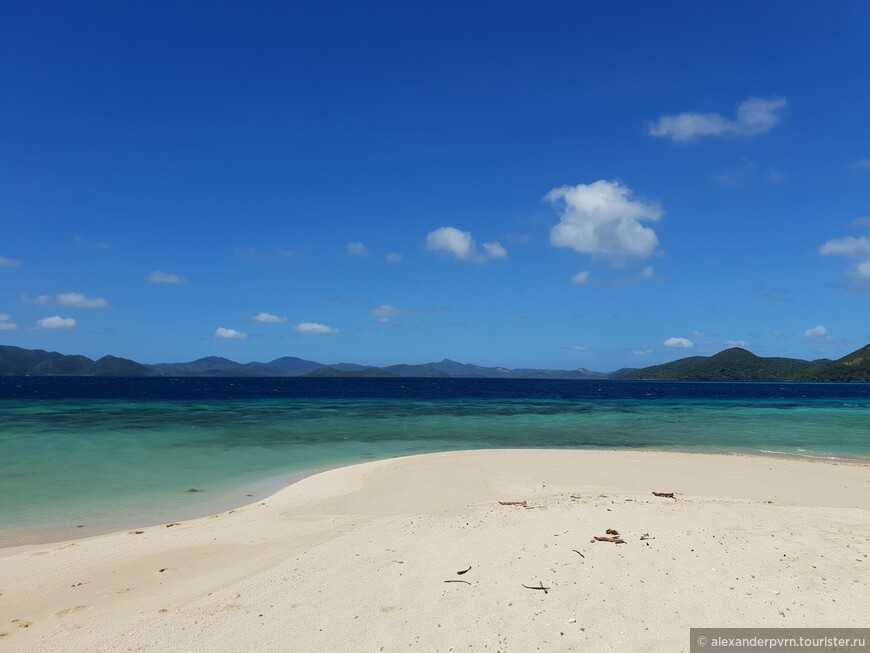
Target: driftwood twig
513, 503
615, 540
463, 571
666, 495
457, 580
542, 588
578, 553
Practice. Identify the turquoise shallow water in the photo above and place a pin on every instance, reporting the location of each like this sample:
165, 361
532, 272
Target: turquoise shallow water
79, 465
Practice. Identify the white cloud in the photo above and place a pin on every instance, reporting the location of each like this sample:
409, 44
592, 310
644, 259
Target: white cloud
861, 222
578, 348
643, 351
581, 278
647, 274
737, 343
385, 312
314, 327
73, 299
229, 334
394, 257
679, 343
56, 322
9, 262
268, 318
357, 249
460, 244
80, 301
848, 246
494, 250
755, 116
6, 324
861, 163
816, 333
162, 277
601, 219
255, 255
857, 275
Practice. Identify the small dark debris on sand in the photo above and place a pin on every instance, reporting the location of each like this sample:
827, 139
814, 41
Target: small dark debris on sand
608, 538
463, 571
457, 580
666, 495
513, 503
177, 523
540, 587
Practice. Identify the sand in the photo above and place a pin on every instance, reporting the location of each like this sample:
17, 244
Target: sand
356, 559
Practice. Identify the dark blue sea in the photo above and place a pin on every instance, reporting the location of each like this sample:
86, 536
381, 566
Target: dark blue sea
80, 455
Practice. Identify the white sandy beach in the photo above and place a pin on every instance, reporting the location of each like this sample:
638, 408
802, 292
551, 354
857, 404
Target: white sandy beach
356, 559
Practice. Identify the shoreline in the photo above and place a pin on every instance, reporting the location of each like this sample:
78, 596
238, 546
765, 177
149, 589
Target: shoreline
264, 489
356, 558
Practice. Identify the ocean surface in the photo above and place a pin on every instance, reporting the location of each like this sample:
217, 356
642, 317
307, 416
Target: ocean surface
85, 455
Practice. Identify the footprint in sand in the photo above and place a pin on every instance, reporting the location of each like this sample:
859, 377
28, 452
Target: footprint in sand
73, 610
21, 623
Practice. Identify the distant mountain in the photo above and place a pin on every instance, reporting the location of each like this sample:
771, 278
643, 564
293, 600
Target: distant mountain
208, 366
733, 364
851, 367
737, 364
15, 361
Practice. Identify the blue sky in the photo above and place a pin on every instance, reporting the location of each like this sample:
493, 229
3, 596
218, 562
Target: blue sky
520, 184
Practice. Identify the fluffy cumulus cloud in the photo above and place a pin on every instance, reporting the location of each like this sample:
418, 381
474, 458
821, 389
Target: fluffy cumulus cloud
460, 244
858, 274
314, 327
679, 343
6, 262
754, 117
229, 334
268, 318
6, 323
73, 299
56, 322
816, 333
357, 249
162, 277
602, 219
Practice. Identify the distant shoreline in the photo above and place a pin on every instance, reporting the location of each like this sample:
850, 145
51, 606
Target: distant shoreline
731, 364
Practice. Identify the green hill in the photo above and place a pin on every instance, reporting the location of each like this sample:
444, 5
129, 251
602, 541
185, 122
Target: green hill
851, 367
734, 364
